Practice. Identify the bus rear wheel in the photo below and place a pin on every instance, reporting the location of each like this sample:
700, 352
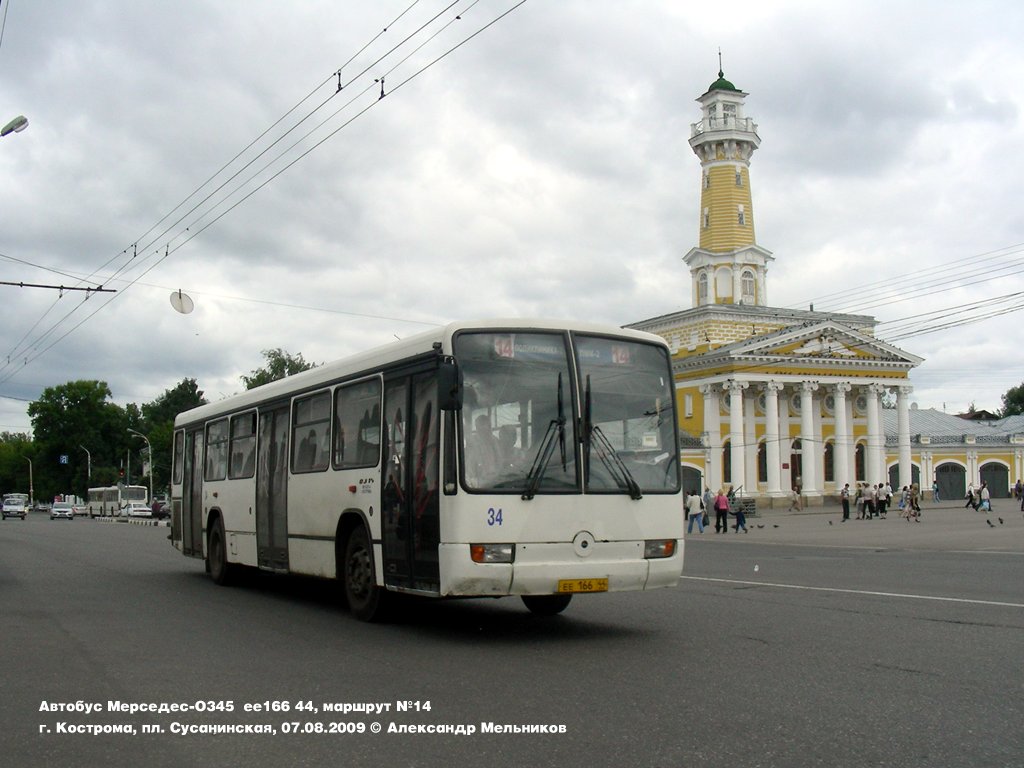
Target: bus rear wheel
365, 599
217, 564
547, 605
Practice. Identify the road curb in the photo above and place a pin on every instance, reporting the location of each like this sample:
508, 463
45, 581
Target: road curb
135, 521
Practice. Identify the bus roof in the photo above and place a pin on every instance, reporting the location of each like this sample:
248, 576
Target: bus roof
382, 356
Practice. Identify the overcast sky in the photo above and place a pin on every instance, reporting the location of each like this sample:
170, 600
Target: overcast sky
542, 168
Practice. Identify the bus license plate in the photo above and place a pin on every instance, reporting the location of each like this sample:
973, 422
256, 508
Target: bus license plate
583, 585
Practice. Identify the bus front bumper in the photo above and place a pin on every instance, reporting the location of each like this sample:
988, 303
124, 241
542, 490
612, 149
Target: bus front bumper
545, 569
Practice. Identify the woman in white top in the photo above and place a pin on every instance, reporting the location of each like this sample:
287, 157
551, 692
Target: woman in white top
693, 507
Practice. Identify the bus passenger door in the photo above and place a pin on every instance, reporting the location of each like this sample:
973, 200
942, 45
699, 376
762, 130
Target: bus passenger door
192, 496
272, 490
411, 526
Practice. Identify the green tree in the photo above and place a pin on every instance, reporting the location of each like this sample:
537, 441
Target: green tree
1013, 401
67, 418
15, 448
158, 425
279, 364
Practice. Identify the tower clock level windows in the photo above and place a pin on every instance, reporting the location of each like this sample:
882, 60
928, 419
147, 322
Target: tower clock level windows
741, 215
748, 287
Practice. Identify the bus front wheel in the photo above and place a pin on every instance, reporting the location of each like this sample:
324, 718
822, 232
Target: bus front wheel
547, 605
365, 599
217, 555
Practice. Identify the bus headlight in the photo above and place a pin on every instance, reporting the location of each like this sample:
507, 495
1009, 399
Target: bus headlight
492, 553
655, 548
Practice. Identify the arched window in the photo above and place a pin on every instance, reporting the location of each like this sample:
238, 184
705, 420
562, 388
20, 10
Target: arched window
702, 287
723, 283
748, 287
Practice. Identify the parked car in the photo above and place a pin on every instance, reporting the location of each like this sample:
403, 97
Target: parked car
137, 509
64, 509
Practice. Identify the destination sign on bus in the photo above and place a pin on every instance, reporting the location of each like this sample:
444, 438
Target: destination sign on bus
528, 347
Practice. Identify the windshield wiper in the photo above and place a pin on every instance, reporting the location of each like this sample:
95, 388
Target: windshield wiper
606, 452
556, 428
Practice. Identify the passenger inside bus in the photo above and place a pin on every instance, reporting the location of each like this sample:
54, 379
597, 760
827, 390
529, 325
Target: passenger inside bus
482, 449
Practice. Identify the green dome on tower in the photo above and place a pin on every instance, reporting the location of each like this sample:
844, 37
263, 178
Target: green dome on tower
721, 84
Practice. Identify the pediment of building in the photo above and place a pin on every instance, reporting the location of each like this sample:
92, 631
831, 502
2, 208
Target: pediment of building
825, 343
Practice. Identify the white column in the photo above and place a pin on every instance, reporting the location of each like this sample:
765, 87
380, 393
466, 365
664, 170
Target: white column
750, 444
771, 438
844, 441
874, 457
810, 444
735, 389
762, 297
785, 443
903, 417
713, 436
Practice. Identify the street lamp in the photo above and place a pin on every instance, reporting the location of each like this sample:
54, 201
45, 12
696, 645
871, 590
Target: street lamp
149, 447
88, 465
17, 125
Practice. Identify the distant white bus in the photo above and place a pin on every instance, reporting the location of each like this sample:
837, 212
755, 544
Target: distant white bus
110, 500
518, 457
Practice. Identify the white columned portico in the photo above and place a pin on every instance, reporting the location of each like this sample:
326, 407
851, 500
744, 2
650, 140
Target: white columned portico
844, 442
736, 452
875, 457
903, 441
713, 436
809, 443
771, 438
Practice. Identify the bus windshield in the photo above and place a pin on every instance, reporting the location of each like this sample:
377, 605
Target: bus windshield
628, 420
518, 434
520, 398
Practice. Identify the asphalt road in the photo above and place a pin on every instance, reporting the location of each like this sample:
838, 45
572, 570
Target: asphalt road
802, 644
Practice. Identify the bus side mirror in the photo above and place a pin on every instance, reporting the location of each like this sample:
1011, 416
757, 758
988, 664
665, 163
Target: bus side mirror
449, 385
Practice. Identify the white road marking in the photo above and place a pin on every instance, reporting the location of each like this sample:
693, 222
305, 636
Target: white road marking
857, 592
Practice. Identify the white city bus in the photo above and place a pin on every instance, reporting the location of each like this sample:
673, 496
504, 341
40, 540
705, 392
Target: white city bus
110, 500
499, 458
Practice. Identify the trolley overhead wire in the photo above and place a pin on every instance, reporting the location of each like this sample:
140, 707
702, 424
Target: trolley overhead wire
156, 259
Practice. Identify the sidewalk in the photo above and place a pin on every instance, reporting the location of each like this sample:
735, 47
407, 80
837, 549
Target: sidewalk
944, 526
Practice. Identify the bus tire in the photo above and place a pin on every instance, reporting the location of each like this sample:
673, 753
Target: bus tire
546, 605
364, 597
217, 564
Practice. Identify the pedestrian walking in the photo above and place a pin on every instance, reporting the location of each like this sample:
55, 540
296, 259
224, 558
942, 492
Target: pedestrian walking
935, 491
986, 498
971, 502
844, 495
693, 507
721, 512
915, 502
859, 499
795, 502
884, 497
741, 518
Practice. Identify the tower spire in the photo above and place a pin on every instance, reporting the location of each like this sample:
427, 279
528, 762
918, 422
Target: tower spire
727, 267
